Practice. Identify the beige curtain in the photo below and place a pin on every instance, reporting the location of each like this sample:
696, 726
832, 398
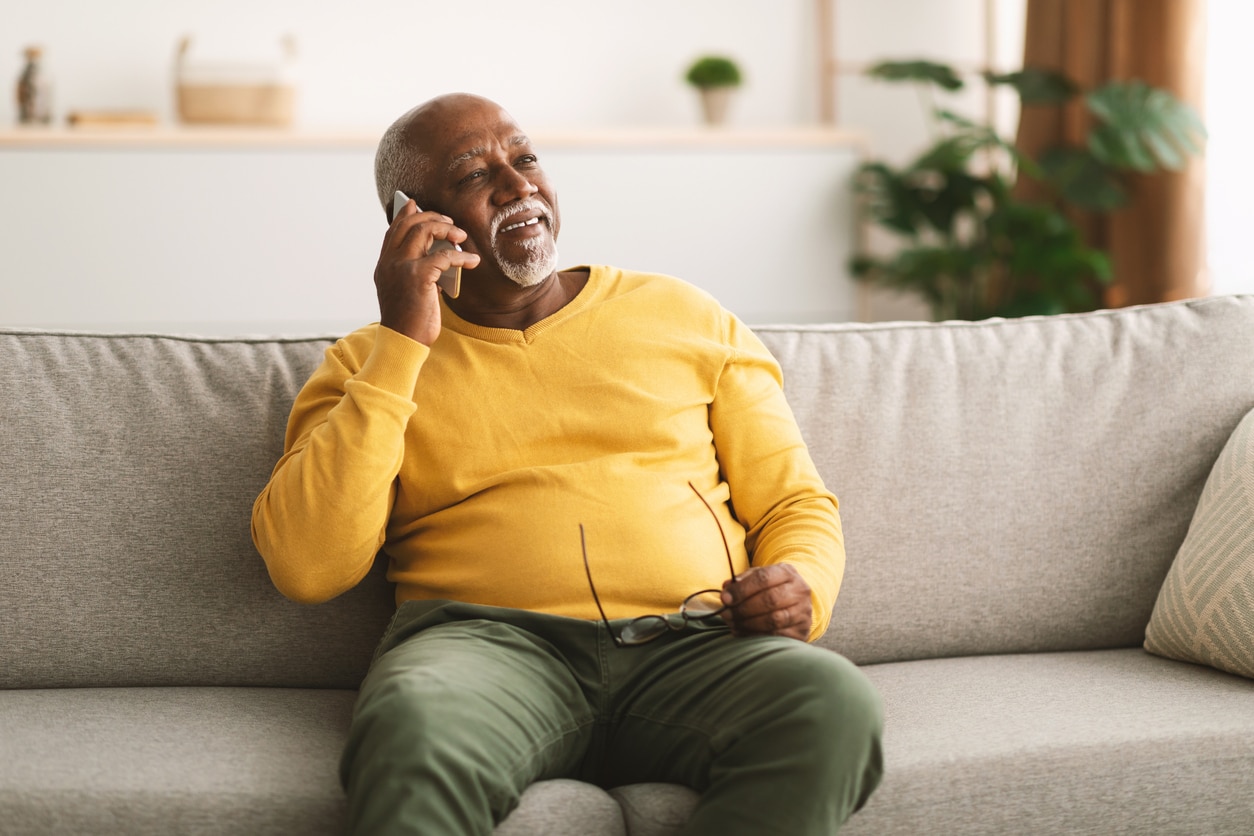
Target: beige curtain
1157, 242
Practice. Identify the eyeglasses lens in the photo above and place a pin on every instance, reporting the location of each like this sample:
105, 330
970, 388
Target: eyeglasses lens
643, 629
704, 603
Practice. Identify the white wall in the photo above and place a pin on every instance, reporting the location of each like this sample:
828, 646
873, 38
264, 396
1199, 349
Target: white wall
229, 241
949, 31
556, 64
553, 63
1230, 122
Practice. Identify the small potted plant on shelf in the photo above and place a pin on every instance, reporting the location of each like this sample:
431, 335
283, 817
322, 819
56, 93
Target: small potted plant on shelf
714, 77
968, 244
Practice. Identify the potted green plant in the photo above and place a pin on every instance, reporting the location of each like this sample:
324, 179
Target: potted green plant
973, 249
714, 77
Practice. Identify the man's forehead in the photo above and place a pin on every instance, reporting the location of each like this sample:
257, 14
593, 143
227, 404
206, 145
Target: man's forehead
474, 144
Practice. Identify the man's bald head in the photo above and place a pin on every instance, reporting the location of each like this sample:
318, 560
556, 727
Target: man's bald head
403, 161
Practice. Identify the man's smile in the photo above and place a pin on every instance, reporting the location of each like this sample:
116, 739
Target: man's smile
520, 224
527, 216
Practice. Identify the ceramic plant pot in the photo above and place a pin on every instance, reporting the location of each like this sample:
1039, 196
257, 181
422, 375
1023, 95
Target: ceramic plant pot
715, 102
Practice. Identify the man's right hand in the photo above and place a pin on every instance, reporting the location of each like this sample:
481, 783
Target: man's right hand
405, 277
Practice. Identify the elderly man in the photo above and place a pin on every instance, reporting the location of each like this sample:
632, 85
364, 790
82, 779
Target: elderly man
609, 543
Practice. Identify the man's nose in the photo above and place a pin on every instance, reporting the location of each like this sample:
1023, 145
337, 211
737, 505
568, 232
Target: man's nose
514, 186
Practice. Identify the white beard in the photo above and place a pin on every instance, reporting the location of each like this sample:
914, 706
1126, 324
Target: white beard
539, 264
541, 258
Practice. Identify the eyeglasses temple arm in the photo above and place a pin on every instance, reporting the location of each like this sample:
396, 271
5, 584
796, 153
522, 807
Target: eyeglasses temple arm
726, 548
583, 546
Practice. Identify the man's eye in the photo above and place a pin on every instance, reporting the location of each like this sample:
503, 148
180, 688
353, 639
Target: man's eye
474, 175
527, 159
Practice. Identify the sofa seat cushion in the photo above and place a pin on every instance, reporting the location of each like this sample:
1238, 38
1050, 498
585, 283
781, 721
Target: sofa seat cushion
655, 809
1083, 742
562, 807
247, 761
1110, 741
1114, 741
172, 760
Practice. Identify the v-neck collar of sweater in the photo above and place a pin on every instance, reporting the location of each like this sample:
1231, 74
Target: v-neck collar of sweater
583, 298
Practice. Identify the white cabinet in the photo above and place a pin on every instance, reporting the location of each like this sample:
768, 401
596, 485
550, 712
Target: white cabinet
260, 232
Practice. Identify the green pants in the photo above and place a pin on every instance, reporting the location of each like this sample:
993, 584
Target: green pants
465, 706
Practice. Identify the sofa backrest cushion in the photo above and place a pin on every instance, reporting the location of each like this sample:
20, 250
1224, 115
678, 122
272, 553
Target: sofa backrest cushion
1016, 485
129, 465
1005, 486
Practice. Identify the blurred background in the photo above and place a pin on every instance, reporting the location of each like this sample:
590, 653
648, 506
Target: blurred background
135, 217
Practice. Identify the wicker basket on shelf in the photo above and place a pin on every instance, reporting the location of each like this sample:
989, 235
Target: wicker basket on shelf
235, 94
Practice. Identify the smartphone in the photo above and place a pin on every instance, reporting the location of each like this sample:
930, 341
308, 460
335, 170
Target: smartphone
450, 280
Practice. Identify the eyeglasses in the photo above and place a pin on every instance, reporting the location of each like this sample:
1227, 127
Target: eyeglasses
698, 605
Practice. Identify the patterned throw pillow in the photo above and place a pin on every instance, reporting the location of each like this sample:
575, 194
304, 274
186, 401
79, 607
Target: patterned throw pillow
1205, 609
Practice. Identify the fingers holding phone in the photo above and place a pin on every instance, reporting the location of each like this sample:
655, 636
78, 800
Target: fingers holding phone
450, 280
419, 257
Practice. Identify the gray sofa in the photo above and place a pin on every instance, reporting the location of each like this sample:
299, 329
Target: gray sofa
1013, 494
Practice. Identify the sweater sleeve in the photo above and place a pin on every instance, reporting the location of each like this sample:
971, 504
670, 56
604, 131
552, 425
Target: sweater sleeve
776, 491
323, 516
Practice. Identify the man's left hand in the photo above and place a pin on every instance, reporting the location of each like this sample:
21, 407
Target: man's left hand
769, 601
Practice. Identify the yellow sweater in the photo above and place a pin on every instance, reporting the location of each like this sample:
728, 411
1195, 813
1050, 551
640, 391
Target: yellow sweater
473, 463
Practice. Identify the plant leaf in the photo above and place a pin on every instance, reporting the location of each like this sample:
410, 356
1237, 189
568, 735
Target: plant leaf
1142, 128
1036, 85
1031, 303
1082, 178
954, 194
974, 137
927, 72
929, 270
864, 268
949, 154
890, 198
910, 202
1048, 269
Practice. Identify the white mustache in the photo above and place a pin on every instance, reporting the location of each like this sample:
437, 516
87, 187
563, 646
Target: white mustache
529, 205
